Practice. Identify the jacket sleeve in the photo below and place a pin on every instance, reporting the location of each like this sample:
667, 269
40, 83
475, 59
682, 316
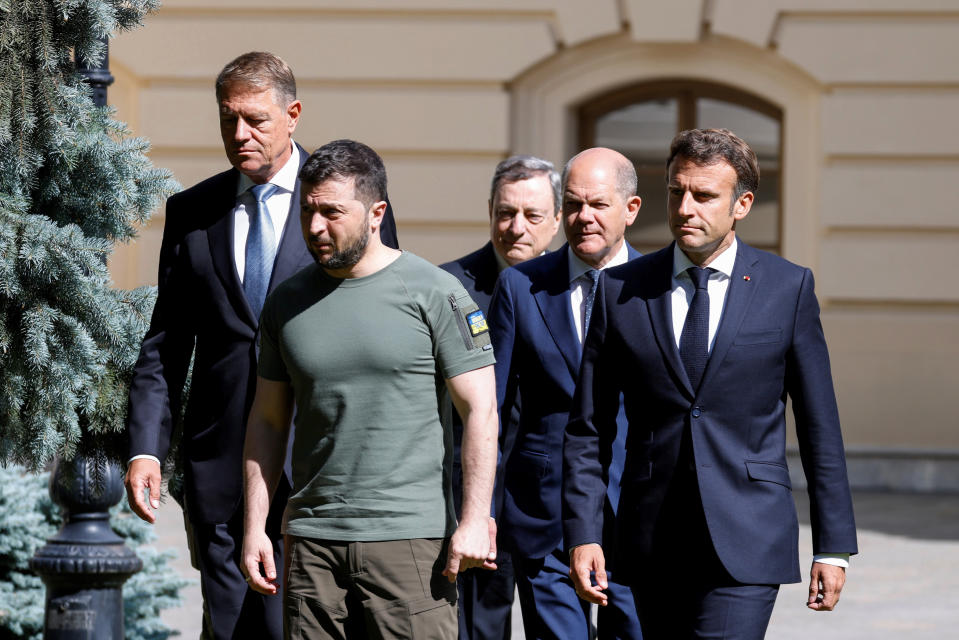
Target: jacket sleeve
809, 384
590, 432
161, 368
502, 322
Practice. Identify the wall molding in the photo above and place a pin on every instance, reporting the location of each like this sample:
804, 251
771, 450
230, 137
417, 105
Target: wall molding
904, 470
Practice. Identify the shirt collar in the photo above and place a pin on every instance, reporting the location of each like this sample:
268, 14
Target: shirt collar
285, 178
577, 267
723, 263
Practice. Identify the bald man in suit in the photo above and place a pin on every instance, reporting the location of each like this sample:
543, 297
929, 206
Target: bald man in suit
538, 317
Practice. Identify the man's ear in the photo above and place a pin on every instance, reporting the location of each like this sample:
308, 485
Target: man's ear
632, 209
293, 114
377, 211
743, 204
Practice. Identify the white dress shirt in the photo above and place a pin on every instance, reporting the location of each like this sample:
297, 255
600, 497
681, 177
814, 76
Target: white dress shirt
278, 205
579, 284
718, 284
683, 289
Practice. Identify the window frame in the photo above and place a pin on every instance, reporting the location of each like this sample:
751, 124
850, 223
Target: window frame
686, 92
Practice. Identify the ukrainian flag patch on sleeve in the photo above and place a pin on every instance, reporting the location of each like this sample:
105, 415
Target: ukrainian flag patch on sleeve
477, 323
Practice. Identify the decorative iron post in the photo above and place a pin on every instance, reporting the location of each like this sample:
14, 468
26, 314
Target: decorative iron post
98, 76
85, 564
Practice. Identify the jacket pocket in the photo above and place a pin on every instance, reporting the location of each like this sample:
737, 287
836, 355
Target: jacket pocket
531, 463
433, 618
769, 336
768, 472
641, 471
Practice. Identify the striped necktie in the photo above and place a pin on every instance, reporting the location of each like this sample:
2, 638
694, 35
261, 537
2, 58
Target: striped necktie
260, 249
593, 275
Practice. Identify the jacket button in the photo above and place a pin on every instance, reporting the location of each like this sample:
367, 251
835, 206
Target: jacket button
697, 412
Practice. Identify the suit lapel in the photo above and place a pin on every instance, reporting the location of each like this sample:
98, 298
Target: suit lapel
661, 316
220, 236
484, 271
292, 253
738, 297
552, 298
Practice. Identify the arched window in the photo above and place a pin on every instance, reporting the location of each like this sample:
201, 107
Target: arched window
641, 120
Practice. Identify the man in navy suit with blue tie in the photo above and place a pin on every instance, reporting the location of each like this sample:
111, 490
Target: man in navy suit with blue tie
524, 218
538, 316
227, 242
705, 340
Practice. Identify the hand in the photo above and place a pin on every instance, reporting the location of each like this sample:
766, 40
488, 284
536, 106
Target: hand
472, 545
826, 581
584, 561
143, 473
257, 550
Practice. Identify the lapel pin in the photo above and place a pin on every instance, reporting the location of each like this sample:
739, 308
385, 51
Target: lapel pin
746, 278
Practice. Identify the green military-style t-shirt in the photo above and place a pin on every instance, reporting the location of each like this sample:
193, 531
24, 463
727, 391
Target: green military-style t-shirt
367, 358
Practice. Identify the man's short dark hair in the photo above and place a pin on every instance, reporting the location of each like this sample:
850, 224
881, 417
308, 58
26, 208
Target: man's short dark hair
345, 159
258, 70
709, 146
523, 167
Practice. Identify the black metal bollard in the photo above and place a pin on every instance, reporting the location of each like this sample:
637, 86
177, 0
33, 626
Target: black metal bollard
98, 75
85, 564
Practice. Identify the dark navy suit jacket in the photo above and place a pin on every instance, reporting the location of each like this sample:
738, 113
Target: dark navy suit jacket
769, 345
477, 272
200, 303
538, 357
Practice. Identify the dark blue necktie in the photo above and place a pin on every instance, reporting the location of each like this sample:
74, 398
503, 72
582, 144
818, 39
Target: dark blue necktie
694, 341
593, 275
260, 249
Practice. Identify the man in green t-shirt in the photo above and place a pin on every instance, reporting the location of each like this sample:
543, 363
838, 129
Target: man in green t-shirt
367, 344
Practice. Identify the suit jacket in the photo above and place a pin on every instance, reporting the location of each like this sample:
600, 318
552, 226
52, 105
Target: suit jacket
201, 310
537, 357
477, 272
769, 344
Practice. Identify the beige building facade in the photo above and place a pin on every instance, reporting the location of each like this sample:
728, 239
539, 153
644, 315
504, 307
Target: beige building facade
849, 103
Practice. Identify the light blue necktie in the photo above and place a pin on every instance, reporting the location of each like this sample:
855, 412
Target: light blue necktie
593, 275
260, 249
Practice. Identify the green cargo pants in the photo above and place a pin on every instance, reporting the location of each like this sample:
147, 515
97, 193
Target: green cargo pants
392, 590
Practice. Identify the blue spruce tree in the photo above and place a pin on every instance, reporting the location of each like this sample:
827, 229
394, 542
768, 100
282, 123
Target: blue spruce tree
72, 185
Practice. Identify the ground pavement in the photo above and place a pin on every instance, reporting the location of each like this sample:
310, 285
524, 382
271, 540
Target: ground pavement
904, 583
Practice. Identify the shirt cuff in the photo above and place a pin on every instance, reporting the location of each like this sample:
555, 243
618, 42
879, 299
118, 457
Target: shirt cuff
146, 456
835, 559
